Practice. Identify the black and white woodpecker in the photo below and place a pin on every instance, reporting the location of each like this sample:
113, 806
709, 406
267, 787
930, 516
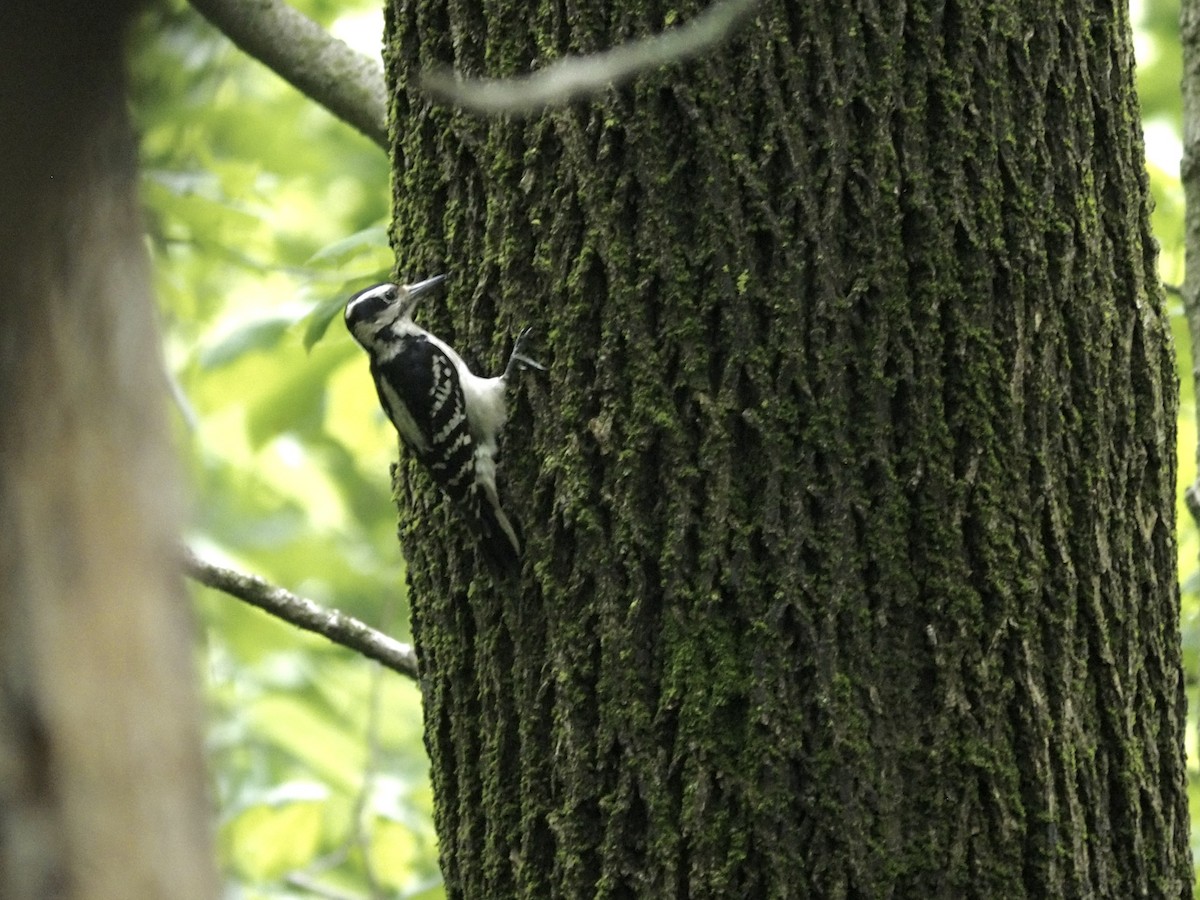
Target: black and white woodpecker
449, 417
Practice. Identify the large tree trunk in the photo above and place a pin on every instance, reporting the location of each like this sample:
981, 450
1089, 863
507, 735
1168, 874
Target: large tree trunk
851, 568
102, 792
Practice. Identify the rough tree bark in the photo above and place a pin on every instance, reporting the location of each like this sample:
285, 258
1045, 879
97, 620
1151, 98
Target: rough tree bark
102, 792
851, 569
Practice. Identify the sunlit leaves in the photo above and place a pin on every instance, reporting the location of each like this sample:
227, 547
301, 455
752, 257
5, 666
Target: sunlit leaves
263, 215
272, 836
292, 738
1159, 58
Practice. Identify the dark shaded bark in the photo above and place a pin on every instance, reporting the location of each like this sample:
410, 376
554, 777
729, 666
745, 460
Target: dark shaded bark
102, 791
851, 568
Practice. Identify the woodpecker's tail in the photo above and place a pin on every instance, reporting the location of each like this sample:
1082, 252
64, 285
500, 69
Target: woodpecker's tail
500, 539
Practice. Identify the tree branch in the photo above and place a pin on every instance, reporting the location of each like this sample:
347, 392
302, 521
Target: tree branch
304, 613
344, 81
578, 76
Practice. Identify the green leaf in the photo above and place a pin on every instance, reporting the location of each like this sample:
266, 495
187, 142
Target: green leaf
317, 321
395, 852
266, 841
297, 402
264, 334
317, 740
369, 240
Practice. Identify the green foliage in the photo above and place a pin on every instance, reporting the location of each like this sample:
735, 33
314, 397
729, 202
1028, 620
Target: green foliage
251, 190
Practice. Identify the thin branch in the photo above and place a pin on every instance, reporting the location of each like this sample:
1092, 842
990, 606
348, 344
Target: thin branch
579, 76
347, 83
305, 883
303, 613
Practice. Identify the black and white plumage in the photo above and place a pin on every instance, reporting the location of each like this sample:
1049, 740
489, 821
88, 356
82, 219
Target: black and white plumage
446, 415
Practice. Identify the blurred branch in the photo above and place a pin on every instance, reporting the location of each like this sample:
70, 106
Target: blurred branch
303, 613
578, 76
1191, 499
312, 886
344, 81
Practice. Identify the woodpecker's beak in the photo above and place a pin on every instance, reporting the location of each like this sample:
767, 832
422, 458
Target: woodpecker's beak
414, 292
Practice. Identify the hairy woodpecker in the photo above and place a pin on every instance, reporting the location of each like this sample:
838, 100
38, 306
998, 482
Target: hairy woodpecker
445, 414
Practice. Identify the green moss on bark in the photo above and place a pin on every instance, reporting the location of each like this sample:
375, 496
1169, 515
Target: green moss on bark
848, 497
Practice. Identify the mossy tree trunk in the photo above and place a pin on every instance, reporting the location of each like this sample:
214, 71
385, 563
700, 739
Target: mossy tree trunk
849, 495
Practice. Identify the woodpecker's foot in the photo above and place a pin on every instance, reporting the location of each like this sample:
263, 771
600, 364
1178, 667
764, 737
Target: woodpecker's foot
518, 359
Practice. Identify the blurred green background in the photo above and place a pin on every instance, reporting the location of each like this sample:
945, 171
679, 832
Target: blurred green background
264, 214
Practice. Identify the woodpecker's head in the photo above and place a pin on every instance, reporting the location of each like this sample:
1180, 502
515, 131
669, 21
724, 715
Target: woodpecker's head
371, 311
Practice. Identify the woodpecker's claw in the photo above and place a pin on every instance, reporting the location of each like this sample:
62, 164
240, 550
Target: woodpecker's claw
518, 357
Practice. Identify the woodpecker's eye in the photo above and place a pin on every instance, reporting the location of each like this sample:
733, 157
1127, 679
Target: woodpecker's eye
369, 304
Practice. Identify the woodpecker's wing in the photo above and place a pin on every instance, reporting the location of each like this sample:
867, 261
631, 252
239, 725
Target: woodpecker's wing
420, 391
